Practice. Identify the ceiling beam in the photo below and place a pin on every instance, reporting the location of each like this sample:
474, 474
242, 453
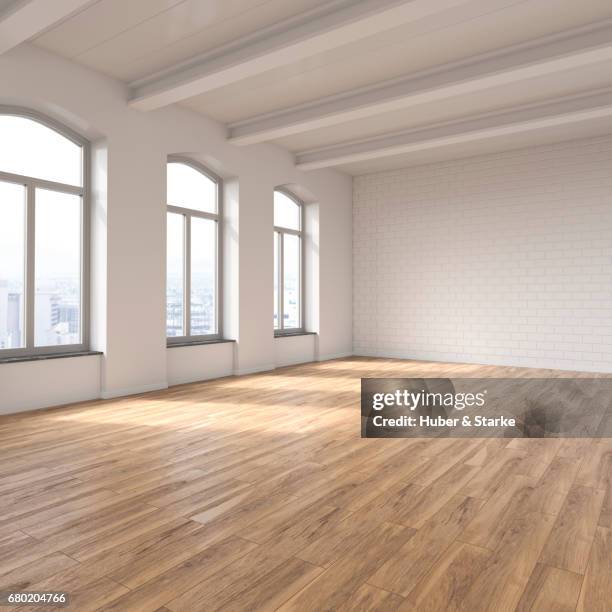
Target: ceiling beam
564, 111
554, 54
321, 29
24, 19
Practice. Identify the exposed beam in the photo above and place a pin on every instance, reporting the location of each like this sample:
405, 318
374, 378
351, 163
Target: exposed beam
547, 56
521, 119
24, 19
326, 27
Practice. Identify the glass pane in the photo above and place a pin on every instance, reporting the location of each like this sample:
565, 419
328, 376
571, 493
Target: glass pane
203, 276
57, 260
12, 265
286, 212
189, 188
291, 281
32, 149
276, 280
175, 249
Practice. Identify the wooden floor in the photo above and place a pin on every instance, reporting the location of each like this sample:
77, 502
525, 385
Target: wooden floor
257, 493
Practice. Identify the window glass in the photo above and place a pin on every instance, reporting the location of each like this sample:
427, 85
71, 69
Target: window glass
175, 274
57, 261
286, 212
203, 276
12, 265
189, 188
32, 149
291, 281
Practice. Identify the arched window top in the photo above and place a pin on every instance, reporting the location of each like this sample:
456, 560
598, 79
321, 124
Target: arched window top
287, 211
190, 187
30, 148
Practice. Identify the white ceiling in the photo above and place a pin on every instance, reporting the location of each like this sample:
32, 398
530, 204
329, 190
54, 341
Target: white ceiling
136, 39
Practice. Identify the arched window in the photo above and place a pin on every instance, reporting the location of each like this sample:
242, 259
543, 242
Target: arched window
288, 264
43, 236
192, 273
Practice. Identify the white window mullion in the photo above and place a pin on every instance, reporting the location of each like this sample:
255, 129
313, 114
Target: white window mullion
281, 280
218, 313
187, 284
30, 272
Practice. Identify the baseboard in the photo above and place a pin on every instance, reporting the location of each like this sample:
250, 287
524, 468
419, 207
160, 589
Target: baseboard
335, 356
190, 379
77, 398
246, 371
543, 364
133, 390
293, 362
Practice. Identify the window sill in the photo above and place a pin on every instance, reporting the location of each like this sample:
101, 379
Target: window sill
293, 334
23, 358
198, 343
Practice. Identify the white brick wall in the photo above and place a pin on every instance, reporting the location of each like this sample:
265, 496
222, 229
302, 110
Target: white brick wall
500, 259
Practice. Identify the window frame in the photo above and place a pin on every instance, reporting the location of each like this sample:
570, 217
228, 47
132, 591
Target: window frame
31, 184
188, 213
279, 234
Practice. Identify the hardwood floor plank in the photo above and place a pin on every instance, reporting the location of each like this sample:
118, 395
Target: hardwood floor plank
486, 452
570, 543
22, 577
370, 599
275, 588
551, 589
155, 524
294, 526
335, 586
216, 493
120, 559
605, 518
23, 551
158, 559
241, 510
389, 506
13, 539
596, 467
540, 452
338, 542
88, 526
498, 513
556, 483
502, 582
182, 577
222, 588
403, 570
431, 499
60, 514
596, 593
491, 476
77, 581
449, 454
446, 584
95, 595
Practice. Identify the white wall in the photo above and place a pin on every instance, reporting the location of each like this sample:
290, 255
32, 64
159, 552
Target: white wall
503, 259
48, 382
192, 363
290, 350
128, 284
